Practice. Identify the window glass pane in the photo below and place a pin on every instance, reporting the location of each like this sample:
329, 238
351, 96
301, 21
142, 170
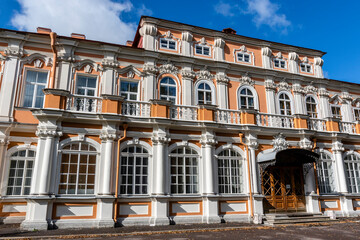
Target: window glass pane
42, 77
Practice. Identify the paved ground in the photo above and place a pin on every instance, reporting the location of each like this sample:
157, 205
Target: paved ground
346, 229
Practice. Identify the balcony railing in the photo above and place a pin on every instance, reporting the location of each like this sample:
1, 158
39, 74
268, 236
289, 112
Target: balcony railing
86, 104
188, 113
136, 109
317, 124
272, 120
228, 116
347, 127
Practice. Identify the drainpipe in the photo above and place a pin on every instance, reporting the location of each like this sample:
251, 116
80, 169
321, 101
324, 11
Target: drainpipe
53, 68
125, 126
249, 174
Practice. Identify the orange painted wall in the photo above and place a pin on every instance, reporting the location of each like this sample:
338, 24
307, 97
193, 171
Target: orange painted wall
229, 53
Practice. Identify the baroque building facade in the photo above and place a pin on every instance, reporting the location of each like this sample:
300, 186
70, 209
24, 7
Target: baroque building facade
184, 124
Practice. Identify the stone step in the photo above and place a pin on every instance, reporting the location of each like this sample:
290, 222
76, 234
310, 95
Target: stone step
292, 216
295, 218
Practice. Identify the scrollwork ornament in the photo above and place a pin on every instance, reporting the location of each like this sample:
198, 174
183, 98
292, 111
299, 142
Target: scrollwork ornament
279, 143
187, 74
168, 68
150, 69
204, 74
246, 80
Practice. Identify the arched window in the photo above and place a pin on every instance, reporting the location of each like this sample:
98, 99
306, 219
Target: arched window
230, 172
204, 94
325, 173
246, 99
168, 89
184, 170
20, 172
352, 168
134, 170
311, 107
284, 104
77, 172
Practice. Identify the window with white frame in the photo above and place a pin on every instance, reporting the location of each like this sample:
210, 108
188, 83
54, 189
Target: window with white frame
311, 107
134, 170
168, 89
20, 172
129, 90
86, 86
167, 44
204, 93
77, 171
305, 67
35, 82
279, 63
246, 98
325, 173
230, 172
352, 168
336, 111
202, 50
243, 57
285, 104
357, 114
184, 170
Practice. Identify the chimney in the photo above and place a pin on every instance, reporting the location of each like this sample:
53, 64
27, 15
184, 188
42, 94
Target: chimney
78, 36
129, 43
229, 31
43, 30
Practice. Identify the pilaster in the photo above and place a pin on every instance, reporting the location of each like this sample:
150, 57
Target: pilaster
299, 99
222, 82
148, 31
65, 59
188, 76
324, 103
270, 89
293, 62
318, 67
109, 64
337, 149
219, 45
186, 44
266, 54
149, 88
208, 168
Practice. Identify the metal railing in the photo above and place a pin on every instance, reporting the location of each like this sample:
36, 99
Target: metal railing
272, 120
135, 109
188, 113
88, 104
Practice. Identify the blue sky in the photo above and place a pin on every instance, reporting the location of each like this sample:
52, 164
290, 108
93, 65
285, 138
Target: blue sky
330, 26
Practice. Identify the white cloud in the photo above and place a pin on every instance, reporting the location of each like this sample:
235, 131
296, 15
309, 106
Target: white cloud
97, 19
144, 11
224, 9
266, 13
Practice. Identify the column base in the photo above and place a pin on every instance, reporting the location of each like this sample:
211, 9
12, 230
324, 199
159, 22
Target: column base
161, 221
211, 219
312, 203
258, 204
34, 225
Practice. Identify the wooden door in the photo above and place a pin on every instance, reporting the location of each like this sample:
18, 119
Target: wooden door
283, 188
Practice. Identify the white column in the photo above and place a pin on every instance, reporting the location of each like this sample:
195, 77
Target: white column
149, 84
108, 136
318, 67
270, 89
340, 169
219, 45
222, 82
254, 170
187, 86
324, 103
3, 147
208, 141
148, 32
186, 44
46, 166
293, 62
8, 85
266, 54
299, 99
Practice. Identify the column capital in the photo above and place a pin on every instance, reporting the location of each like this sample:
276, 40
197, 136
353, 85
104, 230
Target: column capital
337, 147
160, 139
266, 51
187, 36
297, 88
187, 74
222, 78
208, 140
306, 144
219, 42
45, 133
323, 92
148, 29
270, 85
108, 136
150, 69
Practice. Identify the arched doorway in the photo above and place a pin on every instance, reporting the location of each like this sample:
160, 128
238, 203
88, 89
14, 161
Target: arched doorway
282, 179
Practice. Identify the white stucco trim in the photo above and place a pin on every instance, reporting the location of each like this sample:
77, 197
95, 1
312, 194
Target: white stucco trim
254, 92
212, 87
291, 101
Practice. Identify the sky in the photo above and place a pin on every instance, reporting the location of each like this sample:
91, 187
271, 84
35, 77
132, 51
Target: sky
327, 25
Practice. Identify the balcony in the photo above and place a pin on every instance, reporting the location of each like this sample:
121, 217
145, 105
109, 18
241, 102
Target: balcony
203, 113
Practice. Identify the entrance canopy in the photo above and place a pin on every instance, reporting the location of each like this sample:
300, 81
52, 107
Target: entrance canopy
287, 157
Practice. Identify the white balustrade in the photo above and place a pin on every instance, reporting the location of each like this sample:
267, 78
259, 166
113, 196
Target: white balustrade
88, 104
228, 116
317, 124
277, 121
187, 113
347, 127
135, 109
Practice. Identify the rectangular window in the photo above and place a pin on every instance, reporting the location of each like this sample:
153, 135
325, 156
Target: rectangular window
280, 63
129, 90
168, 44
34, 84
202, 50
336, 111
305, 67
243, 57
86, 92
357, 114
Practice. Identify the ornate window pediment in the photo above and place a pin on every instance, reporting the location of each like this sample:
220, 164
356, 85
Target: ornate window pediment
130, 71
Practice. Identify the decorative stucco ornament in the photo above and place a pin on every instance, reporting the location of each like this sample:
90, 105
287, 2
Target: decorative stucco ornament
279, 143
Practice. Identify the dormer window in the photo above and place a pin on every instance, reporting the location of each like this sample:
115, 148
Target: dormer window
279, 63
167, 44
202, 50
305, 67
243, 57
